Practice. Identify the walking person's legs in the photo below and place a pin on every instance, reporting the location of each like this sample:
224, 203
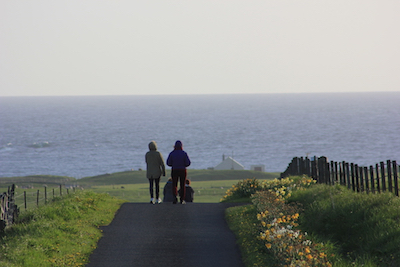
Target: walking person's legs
151, 182
182, 184
157, 184
175, 176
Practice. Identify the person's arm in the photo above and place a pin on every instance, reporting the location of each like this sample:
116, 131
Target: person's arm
162, 165
169, 160
187, 160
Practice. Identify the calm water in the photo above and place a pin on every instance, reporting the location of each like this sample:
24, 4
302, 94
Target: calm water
86, 136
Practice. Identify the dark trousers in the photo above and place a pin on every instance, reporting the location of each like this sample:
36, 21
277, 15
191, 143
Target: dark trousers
181, 176
155, 182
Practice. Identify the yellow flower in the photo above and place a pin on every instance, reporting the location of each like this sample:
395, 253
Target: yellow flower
309, 256
307, 250
268, 245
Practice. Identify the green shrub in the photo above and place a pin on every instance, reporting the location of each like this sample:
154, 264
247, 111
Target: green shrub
242, 190
361, 225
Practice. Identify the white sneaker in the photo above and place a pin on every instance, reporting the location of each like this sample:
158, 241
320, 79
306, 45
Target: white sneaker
183, 202
152, 201
159, 201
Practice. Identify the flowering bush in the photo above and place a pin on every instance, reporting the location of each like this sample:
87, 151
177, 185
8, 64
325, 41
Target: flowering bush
283, 187
278, 221
243, 189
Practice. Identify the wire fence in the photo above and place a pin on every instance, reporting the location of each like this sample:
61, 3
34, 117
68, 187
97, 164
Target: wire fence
11, 202
378, 178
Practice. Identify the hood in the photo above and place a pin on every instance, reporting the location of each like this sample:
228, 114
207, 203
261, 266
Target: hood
178, 145
153, 145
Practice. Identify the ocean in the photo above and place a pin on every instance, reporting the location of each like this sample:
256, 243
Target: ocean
82, 136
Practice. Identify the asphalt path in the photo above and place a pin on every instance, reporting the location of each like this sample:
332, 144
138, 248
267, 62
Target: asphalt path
191, 235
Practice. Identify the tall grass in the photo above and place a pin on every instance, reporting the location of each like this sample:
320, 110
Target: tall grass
62, 233
365, 226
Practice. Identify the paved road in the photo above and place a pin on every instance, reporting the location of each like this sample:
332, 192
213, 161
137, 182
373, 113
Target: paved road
191, 235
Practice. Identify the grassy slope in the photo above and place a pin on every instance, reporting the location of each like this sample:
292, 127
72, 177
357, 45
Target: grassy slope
36, 180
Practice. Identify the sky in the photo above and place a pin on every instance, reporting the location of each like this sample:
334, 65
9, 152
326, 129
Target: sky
98, 47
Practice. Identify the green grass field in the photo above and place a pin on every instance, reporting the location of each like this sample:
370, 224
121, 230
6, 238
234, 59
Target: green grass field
209, 185
205, 191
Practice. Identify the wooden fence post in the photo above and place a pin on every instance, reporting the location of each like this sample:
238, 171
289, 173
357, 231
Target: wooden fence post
314, 169
360, 169
337, 177
371, 174
353, 178
341, 173
348, 175
366, 179
25, 199
308, 167
389, 175
60, 191
327, 172
45, 194
396, 178
356, 169
378, 180
301, 166
322, 168
383, 176
37, 198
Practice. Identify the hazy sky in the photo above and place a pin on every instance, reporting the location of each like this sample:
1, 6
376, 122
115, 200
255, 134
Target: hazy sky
100, 47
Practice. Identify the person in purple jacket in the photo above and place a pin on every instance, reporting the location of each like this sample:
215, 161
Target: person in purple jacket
178, 160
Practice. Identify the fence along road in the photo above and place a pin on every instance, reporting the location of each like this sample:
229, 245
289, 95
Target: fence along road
381, 177
141, 234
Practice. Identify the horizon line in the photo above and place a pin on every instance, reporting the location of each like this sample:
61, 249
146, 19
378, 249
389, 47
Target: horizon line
207, 94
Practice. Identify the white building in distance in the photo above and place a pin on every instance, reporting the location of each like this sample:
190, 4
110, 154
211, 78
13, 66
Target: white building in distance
229, 164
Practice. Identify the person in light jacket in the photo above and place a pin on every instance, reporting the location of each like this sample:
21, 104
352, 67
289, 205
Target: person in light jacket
178, 160
155, 168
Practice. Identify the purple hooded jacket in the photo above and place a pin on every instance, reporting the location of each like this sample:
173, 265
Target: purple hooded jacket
178, 159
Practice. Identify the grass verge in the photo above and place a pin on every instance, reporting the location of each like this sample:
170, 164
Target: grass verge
304, 224
365, 228
243, 222
62, 233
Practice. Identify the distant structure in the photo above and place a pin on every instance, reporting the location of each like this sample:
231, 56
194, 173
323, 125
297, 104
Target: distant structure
229, 164
259, 168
